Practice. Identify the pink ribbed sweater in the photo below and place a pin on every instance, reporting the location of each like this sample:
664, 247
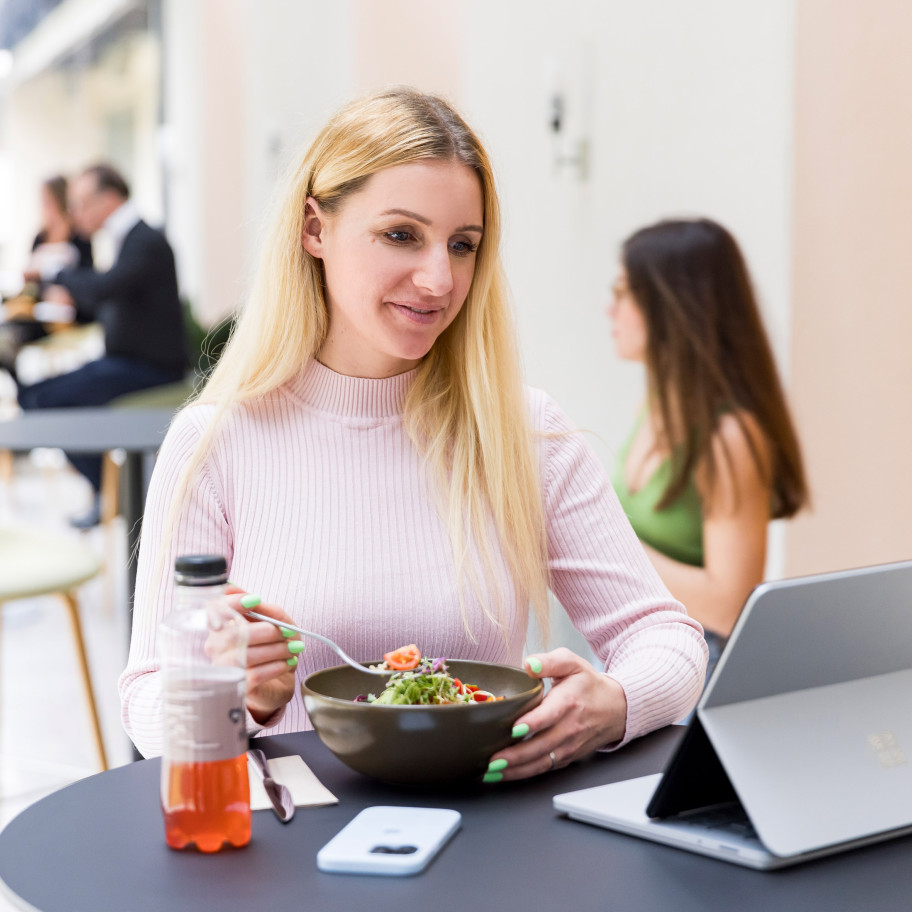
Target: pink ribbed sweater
318, 499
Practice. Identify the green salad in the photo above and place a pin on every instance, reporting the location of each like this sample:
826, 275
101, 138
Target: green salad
429, 683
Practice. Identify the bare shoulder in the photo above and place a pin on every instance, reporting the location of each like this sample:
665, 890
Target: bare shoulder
740, 435
742, 459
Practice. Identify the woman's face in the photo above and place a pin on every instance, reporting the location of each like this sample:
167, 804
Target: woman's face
399, 256
628, 328
50, 211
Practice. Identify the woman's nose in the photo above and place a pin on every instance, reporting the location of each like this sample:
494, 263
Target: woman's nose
435, 271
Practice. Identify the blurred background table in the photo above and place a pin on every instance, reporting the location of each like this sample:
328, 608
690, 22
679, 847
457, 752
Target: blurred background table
99, 844
139, 432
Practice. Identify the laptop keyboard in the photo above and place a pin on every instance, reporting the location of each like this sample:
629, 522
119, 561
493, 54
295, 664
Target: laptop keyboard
729, 819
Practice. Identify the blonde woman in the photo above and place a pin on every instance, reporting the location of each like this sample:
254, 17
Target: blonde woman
367, 459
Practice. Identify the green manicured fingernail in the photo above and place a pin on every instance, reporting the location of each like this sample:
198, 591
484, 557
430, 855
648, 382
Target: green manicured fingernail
250, 601
292, 662
295, 646
534, 665
495, 766
492, 777
520, 731
287, 633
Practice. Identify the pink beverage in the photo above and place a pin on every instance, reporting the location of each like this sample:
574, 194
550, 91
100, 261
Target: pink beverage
205, 794
207, 804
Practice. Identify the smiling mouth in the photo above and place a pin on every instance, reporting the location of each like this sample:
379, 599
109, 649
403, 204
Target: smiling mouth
416, 309
423, 316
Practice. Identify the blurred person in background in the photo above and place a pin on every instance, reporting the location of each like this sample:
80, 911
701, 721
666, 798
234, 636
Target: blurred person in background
368, 460
136, 302
57, 246
713, 456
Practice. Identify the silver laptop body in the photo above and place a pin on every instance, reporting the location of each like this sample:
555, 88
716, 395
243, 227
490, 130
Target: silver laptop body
801, 745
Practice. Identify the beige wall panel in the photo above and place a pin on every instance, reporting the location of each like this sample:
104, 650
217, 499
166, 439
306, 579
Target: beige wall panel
401, 42
852, 282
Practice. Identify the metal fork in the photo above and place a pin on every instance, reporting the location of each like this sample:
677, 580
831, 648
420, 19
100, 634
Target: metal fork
317, 636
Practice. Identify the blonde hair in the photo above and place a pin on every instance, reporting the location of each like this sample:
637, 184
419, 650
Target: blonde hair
466, 410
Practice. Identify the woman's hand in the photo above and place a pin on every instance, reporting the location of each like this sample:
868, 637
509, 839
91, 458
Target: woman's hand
583, 711
271, 657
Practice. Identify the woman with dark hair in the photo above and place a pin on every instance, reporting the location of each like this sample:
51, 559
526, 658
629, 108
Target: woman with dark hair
56, 243
714, 454
57, 226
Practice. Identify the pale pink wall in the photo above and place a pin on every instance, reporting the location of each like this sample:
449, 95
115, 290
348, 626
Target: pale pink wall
222, 73
403, 42
851, 370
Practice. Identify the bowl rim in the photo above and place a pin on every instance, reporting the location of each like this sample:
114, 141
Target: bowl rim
538, 686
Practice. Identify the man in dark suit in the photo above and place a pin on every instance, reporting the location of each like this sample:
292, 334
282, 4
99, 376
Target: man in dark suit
136, 302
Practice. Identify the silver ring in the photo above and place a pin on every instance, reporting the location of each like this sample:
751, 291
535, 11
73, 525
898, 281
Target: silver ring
553, 759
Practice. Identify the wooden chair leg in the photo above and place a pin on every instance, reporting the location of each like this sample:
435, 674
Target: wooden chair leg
110, 484
86, 677
6, 466
111, 462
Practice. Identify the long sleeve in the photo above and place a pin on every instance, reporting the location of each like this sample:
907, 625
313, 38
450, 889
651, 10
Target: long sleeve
608, 587
200, 528
137, 264
136, 301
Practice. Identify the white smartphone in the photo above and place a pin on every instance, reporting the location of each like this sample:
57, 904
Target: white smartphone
389, 840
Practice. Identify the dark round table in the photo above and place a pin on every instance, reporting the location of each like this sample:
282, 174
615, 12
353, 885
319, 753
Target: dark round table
98, 846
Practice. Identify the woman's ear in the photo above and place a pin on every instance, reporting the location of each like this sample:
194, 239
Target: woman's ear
312, 228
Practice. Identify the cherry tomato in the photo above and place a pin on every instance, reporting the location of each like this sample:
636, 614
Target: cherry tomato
404, 658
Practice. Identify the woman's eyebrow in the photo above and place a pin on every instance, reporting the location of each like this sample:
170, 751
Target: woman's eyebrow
426, 221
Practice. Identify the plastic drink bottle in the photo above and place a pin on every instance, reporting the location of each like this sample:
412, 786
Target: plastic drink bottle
205, 792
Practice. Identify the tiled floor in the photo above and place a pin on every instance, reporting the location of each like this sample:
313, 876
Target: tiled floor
45, 730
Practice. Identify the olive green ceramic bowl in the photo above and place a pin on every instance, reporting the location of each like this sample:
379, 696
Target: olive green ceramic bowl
418, 745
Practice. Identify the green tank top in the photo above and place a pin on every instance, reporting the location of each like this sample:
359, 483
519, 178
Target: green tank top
676, 531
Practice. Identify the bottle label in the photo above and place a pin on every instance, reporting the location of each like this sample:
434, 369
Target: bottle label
204, 714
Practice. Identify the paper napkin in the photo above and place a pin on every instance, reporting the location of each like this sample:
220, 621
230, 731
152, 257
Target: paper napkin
306, 789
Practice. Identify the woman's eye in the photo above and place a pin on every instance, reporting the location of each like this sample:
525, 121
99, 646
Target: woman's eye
399, 236
463, 248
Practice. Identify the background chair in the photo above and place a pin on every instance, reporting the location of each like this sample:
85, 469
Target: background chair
34, 562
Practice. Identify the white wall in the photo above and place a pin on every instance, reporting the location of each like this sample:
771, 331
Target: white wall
181, 140
300, 67
246, 82
690, 114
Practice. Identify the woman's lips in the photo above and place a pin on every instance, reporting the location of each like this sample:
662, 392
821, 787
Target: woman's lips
421, 315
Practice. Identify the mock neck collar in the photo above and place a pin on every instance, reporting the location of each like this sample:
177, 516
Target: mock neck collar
351, 397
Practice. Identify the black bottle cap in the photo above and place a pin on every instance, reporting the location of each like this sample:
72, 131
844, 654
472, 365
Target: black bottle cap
201, 570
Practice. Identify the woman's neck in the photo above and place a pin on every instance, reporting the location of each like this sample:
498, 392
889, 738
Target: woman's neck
57, 231
366, 368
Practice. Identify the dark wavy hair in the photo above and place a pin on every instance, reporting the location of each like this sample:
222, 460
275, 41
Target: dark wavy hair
708, 354
57, 188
